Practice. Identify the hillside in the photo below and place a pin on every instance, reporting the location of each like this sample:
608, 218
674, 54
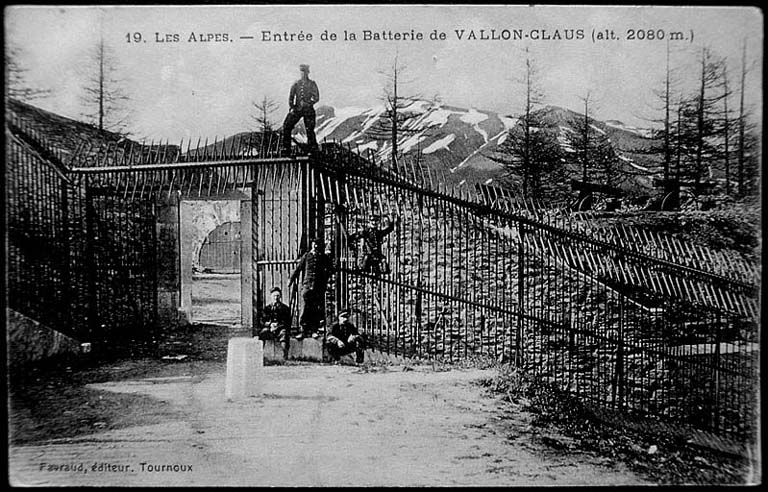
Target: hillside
461, 141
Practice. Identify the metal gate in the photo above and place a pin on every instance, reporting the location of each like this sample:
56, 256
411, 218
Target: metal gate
220, 252
121, 274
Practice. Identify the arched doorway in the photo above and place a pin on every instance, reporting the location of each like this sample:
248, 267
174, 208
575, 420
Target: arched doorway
220, 252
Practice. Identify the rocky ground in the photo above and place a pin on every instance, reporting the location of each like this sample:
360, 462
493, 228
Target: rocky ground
315, 424
658, 453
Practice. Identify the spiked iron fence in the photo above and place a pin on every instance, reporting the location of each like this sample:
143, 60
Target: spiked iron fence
629, 320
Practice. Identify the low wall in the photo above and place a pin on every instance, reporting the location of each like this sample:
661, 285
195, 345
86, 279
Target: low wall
30, 341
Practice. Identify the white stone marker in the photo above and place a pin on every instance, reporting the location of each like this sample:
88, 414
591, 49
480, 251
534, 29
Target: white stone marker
245, 359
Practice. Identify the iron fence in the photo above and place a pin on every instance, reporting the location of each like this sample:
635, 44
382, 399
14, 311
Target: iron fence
630, 320
80, 258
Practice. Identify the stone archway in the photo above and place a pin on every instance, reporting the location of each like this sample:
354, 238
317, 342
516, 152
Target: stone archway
220, 251
198, 217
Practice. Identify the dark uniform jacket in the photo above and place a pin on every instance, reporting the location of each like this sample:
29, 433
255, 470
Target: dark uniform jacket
342, 332
303, 95
372, 238
318, 268
279, 313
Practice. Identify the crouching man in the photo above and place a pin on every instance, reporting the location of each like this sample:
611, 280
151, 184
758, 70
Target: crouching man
344, 339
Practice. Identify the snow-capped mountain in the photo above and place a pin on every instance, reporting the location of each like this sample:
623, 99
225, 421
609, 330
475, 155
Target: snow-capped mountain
451, 139
459, 141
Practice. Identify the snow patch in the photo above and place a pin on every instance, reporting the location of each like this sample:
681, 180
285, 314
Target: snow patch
597, 129
631, 129
474, 118
508, 122
565, 144
443, 143
437, 117
373, 145
351, 136
632, 163
372, 117
341, 115
417, 107
411, 141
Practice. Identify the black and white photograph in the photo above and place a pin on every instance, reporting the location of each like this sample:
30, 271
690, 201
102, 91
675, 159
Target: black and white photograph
335, 245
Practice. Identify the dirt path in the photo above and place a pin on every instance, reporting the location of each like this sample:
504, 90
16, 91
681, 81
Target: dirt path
316, 425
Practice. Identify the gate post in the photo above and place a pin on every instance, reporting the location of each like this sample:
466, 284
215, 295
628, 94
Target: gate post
66, 283
185, 258
246, 252
520, 296
620, 355
253, 261
90, 254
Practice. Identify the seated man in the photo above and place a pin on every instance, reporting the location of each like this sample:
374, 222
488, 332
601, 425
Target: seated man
344, 339
276, 318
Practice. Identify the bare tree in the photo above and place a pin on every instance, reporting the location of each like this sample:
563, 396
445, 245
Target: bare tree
665, 143
747, 148
262, 111
742, 119
16, 83
585, 139
529, 153
104, 95
595, 153
726, 130
397, 121
707, 119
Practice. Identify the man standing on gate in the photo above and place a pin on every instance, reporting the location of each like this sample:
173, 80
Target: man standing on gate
304, 94
317, 268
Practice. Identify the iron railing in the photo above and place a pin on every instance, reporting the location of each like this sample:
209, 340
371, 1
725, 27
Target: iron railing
644, 323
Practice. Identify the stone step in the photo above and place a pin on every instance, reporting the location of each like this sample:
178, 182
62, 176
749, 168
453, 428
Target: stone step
310, 349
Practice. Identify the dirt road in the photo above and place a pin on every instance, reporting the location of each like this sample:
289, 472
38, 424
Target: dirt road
315, 425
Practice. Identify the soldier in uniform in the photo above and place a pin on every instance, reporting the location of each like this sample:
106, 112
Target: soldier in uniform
304, 94
317, 268
370, 240
344, 338
276, 319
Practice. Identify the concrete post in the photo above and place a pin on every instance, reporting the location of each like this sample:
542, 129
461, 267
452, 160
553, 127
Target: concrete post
245, 360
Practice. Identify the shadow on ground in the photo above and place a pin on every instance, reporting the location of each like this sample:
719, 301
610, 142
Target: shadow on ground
51, 400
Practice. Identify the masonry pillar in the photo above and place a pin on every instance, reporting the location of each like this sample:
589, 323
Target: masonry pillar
186, 250
168, 274
246, 260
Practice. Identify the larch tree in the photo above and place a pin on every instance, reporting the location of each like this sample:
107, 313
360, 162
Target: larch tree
104, 96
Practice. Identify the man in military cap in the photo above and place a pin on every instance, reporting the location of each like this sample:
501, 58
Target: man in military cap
317, 268
276, 318
304, 94
344, 338
370, 241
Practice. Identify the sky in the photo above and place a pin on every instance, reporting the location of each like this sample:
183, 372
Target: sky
189, 88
